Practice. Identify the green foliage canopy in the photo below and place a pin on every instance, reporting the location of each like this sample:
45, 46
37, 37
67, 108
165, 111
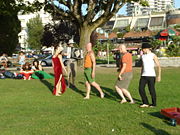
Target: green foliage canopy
9, 26
35, 32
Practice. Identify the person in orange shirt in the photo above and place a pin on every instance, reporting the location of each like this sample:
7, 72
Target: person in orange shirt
89, 72
125, 75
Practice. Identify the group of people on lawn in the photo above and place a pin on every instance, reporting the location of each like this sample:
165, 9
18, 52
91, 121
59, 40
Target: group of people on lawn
125, 75
27, 71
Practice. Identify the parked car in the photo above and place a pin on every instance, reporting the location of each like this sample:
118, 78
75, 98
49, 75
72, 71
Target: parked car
48, 61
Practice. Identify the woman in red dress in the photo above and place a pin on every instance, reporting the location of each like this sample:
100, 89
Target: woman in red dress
58, 66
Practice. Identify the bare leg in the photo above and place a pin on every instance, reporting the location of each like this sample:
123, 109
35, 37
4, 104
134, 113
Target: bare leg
98, 88
119, 91
88, 89
127, 94
29, 78
58, 87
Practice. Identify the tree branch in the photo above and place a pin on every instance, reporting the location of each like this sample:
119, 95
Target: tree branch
91, 7
76, 10
108, 15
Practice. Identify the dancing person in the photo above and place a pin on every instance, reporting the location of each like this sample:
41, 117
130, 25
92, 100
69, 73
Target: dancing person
38, 71
89, 72
125, 75
148, 75
58, 66
4, 60
26, 71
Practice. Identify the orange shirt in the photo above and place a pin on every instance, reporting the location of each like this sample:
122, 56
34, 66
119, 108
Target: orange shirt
126, 58
87, 61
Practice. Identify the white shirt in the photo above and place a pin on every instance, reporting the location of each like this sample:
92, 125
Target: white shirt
148, 65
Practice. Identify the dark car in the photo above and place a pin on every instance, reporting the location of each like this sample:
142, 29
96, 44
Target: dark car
48, 61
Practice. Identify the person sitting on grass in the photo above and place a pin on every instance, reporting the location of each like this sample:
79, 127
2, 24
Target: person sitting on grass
26, 71
38, 71
4, 60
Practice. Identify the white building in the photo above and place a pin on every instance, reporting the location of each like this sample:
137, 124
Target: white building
134, 9
24, 18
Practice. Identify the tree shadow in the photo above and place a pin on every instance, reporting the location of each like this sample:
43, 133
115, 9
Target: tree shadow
156, 131
47, 84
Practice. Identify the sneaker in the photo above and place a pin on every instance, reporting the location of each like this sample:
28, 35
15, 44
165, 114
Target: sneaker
144, 106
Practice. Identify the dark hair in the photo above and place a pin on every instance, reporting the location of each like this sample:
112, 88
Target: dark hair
36, 66
24, 67
21, 52
55, 47
146, 45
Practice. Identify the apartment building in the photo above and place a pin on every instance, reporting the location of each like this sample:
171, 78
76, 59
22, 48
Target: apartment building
134, 9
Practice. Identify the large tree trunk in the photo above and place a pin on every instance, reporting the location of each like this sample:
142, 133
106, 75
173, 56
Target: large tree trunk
85, 33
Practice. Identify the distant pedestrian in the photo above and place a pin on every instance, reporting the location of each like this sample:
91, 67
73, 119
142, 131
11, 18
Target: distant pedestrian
21, 58
125, 75
89, 72
148, 75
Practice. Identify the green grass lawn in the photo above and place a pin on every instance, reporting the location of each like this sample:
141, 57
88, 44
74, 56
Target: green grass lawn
29, 108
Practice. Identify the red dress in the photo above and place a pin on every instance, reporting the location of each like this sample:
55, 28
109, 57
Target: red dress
57, 74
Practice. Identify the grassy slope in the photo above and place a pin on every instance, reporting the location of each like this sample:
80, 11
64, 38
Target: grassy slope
28, 108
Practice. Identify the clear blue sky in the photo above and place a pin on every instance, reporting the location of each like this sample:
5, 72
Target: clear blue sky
123, 9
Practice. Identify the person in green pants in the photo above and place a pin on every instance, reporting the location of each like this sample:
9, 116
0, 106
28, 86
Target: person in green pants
38, 71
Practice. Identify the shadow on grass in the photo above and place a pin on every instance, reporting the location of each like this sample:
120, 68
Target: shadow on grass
47, 84
109, 93
75, 89
51, 74
138, 101
94, 92
154, 130
159, 115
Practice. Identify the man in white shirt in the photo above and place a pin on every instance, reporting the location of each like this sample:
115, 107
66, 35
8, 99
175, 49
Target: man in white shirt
148, 75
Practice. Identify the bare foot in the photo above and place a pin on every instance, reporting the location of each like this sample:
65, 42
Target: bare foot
57, 95
123, 101
102, 95
132, 102
87, 97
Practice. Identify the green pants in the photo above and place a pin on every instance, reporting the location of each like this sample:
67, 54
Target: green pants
88, 75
